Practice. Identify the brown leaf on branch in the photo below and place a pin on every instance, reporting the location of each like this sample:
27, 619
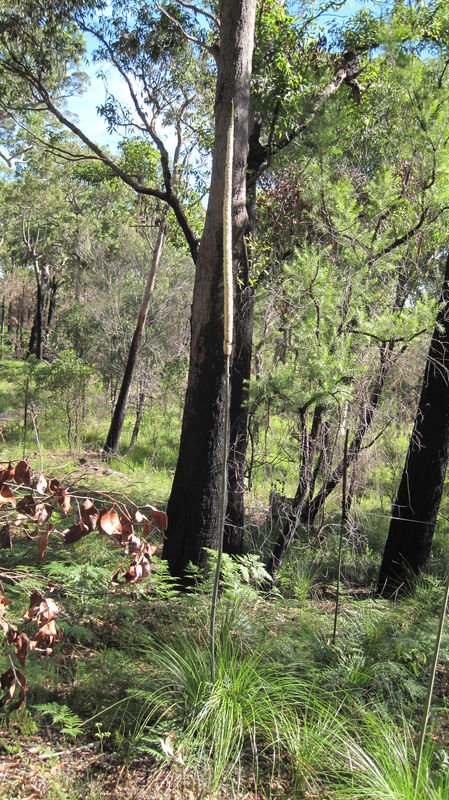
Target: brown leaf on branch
139, 570
22, 473
23, 646
3, 603
131, 543
89, 514
42, 609
5, 537
53, 485
127, 526
6, 474
64, 500
48, 634
42, 543
139, 518
109, 523
160, 518
75, 533
41, 483
27, 505
9, 680
6, 496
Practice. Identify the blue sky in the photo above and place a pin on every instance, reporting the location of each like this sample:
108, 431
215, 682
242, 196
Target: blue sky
85, 106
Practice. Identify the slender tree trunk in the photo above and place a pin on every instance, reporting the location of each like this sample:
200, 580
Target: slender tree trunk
193, 508
415, 509
136, 429
36, 343
241, 366
118, 416
304, 509
306, 475
312, 506
51, 307
2, 327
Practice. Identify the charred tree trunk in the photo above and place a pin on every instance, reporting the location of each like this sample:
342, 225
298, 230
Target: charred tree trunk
304, 509
36, 344
193, 508
306, 475
51, 307
2, 327
118, 416
312, 506
415, 509
136, 429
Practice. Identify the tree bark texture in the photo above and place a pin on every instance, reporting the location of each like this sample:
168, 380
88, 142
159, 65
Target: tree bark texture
36, 343
118, 415
193, 508
415, 509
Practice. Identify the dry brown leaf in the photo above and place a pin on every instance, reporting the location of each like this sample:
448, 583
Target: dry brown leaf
64, 500
42, 543
139, 570
139, 518
127, 526
6, 496
75, 533
47, 632
7, 474
22, 473
160, 518
109, 523
3, 603
36, 599
22, 647
132, 544
41, 483
27, 505
8, 682
89, 514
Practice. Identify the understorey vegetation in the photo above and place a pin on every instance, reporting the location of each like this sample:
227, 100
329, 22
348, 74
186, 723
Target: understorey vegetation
224, 400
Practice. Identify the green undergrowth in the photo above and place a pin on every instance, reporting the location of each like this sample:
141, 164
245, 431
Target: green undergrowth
324, 719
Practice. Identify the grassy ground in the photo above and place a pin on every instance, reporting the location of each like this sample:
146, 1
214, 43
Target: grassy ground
125, 705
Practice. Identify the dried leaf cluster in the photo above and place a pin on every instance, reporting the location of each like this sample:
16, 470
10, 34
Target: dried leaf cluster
29, 501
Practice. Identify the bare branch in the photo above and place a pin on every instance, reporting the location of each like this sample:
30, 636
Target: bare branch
201, 11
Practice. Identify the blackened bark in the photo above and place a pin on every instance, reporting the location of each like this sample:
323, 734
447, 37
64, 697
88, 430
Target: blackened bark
415, 509
241, 365
306, 476
36, 343
193, 508
312, 506
305, 507
2, 327
51, 307
136, 429
240, 375
118, 416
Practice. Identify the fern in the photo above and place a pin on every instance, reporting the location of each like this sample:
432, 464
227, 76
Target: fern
71, 724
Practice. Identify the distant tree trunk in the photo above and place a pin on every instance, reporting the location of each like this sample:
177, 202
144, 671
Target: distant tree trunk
193, 507
304, 507
136, 429
313, 505
2, 327
415, 509
51, 307
306, 476
118, 416
35, 346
